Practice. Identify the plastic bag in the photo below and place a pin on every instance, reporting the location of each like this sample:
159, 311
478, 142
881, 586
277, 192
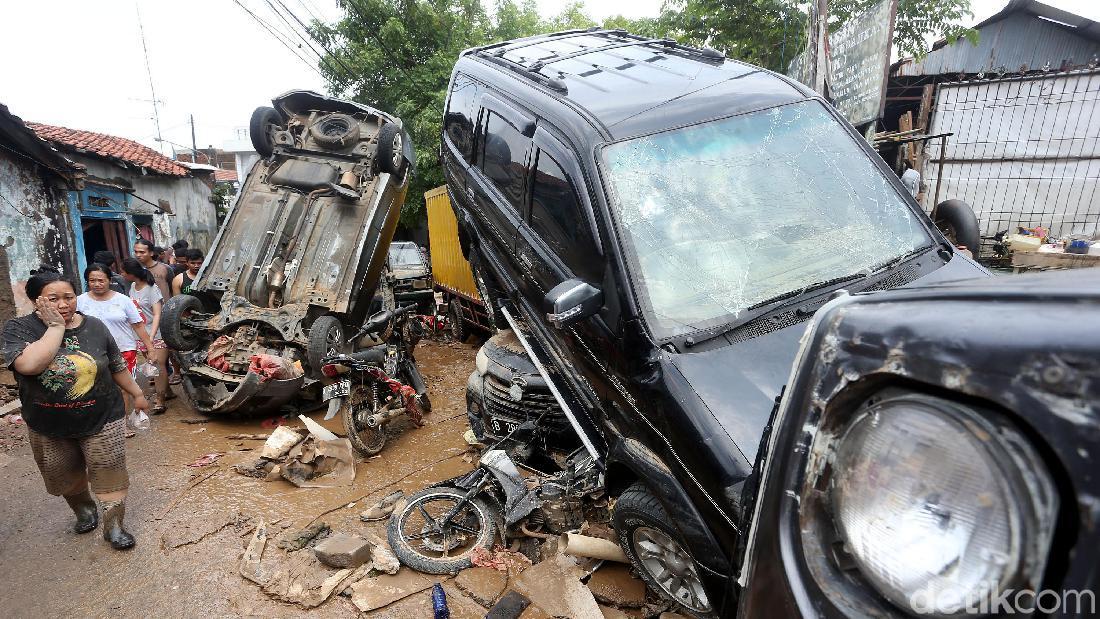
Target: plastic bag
144, 375
137, 421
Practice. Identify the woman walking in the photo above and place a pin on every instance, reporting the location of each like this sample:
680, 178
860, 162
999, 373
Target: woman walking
118, 314
144, 292
70, 371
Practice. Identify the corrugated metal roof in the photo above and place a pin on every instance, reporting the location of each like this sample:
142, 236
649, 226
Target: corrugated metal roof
1024, 36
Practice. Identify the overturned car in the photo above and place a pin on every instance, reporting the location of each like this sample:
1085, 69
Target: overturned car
294, 268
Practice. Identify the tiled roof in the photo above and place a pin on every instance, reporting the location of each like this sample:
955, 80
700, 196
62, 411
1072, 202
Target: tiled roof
222, 175
109, 147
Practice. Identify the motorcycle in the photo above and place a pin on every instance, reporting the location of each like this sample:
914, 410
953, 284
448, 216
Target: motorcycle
441, 527
378, 384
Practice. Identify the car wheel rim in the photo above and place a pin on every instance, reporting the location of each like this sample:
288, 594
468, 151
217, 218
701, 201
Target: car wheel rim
670, 567
396, 151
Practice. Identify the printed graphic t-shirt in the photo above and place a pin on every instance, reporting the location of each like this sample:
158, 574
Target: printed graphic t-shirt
75, 396
117, 313
146, 298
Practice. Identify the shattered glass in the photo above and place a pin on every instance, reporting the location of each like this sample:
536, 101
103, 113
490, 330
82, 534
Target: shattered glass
724, 216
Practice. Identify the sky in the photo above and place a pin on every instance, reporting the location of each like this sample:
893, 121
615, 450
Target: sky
81, 64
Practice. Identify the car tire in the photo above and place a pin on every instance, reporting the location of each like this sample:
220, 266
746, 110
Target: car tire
651, 542
335, 131
459, 329
325, 334
175, 335
958, 223
490, 294
261, 128
391, 147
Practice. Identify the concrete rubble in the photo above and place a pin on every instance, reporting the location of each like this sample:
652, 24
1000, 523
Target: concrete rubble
341, 550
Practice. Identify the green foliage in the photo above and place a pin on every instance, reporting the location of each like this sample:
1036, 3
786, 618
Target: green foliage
916, 20
397, 55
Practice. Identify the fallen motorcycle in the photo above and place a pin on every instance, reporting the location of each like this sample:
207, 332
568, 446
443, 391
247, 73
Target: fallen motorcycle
378, 384
441, 527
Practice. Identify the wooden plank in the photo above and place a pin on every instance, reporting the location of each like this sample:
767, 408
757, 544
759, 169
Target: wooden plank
1049, 260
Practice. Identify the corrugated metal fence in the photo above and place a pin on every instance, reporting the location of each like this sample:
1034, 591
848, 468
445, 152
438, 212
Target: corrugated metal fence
1025, 151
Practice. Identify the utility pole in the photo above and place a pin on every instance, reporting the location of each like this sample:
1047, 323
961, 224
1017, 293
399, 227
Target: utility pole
819, 33
194, 147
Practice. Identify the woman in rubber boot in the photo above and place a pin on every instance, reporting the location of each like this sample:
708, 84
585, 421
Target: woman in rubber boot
71, 376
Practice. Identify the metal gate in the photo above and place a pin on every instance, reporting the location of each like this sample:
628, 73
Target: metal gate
1025, 151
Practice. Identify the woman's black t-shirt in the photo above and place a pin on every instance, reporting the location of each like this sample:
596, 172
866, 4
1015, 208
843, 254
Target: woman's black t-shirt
75, 396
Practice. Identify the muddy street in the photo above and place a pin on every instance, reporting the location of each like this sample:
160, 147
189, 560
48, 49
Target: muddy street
190, 535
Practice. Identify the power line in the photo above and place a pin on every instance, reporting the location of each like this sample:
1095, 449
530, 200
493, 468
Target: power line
347, 74
370, 31
278, 38
350, 74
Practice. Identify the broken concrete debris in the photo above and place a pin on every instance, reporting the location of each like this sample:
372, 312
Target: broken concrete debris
613, 584
291, 540
319, 459
382, 509
341, 550
555, 587
484, 585
377, 591
280, 442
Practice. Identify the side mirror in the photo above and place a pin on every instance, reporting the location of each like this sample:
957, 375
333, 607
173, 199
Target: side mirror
572, 301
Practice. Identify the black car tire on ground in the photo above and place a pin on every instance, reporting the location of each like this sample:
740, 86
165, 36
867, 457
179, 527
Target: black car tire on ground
261, 130
958, 223
177, 336
325, 334
459, 329
637, 511
390, 148
335, 130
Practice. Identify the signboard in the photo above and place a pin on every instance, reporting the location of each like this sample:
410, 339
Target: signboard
860, 58
858, 62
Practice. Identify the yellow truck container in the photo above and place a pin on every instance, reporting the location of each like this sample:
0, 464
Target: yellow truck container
450, 270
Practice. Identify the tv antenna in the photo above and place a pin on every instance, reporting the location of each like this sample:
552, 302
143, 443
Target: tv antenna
149, 72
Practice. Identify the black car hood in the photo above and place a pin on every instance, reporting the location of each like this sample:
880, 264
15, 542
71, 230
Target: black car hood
740, 382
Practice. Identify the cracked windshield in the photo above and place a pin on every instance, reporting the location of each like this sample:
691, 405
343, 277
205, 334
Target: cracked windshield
724, 216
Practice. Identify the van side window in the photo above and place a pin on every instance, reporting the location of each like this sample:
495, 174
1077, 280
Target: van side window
505, 158
557, 218
458, 123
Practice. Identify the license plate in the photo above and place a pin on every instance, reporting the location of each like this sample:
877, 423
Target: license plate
341, 389
502, 426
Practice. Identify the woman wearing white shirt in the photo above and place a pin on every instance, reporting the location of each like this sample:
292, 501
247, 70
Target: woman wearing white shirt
116, 311
144, 292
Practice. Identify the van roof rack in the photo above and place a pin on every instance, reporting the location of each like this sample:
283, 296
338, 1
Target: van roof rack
497, 53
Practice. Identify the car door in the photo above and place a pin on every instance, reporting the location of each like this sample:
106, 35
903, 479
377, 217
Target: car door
497, 185
557, 240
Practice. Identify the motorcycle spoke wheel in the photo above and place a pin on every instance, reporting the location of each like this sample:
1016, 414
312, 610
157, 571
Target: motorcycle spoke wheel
439, 529
365, 439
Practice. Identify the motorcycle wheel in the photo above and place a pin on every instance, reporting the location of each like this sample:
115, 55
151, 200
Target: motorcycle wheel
365, 439
422, 544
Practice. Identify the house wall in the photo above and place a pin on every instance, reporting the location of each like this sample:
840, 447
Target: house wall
33, 230
194, 217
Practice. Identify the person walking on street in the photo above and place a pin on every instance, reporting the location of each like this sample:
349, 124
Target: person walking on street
144, 292
182, 283
118, 283
70, 372
162, 274
117, 312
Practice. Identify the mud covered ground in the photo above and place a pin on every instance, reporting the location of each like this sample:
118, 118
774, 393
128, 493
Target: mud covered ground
192, 524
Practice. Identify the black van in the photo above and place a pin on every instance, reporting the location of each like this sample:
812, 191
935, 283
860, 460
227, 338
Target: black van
657, 222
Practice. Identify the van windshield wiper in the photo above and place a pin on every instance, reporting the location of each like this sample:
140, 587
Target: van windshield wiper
764, 306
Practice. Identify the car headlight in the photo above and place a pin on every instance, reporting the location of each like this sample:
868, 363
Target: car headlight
481, 362
938, 507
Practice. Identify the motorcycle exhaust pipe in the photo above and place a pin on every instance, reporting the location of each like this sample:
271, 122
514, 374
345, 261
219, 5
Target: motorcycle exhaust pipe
378, 419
